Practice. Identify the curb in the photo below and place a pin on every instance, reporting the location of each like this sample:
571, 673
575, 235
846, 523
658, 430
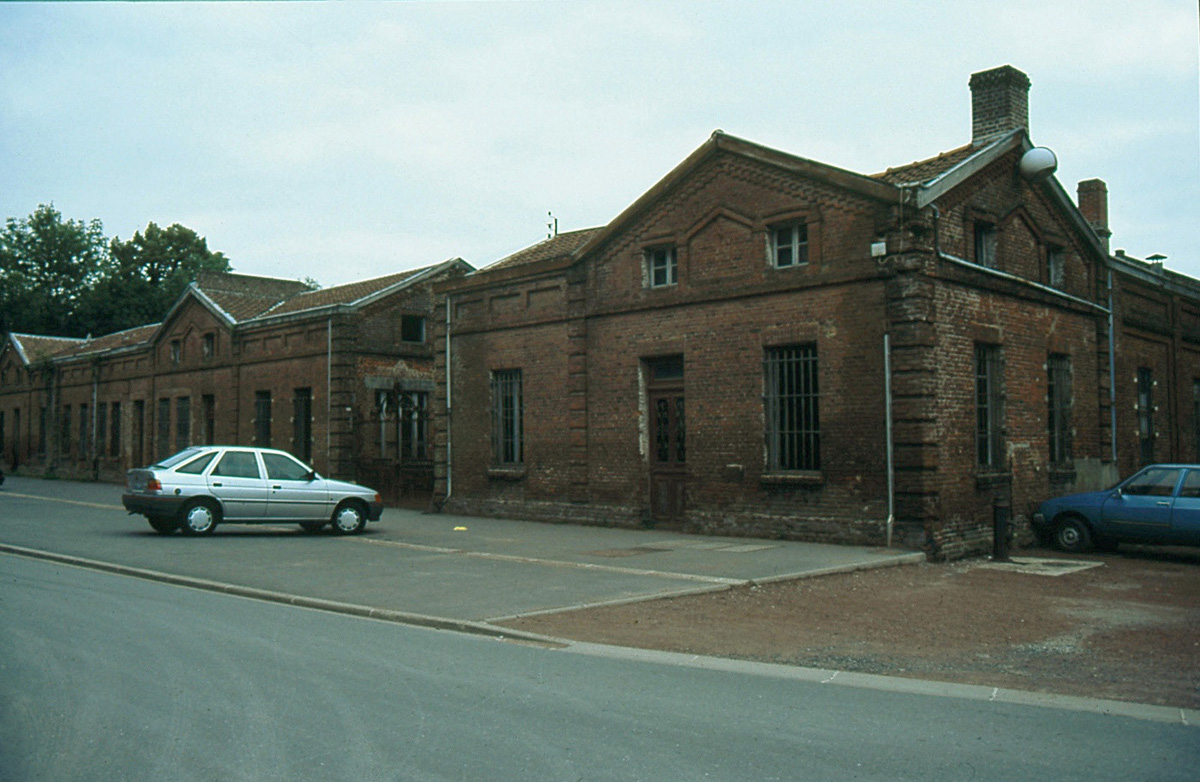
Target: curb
351, 609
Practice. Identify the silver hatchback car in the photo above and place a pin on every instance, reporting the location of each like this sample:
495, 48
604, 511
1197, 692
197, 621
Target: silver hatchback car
206, 485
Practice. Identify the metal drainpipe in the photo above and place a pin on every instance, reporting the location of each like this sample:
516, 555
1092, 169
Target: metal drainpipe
891, 473
1112, 371
449, 400
329, 395
94, 451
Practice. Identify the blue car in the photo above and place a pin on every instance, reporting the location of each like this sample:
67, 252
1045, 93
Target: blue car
1158, 504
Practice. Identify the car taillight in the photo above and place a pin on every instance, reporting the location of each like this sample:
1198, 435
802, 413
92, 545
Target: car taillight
378, 498
153, 485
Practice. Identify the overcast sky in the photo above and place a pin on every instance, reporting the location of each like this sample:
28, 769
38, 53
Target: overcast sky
341, 141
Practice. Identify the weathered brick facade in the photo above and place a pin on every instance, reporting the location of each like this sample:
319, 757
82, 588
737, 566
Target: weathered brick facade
976, 278
239, 359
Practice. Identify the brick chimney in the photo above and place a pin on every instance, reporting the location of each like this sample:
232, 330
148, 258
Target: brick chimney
1093, 205
999, 103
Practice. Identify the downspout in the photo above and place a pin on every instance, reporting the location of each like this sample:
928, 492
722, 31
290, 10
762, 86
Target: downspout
1112, 371
891, 472
449, 407
329, 395
94, 451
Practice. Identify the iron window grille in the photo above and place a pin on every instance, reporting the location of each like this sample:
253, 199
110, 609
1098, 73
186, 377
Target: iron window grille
262, 419
1058, 398
1145, 414
989, 408
508, 447
792, 407
302, 424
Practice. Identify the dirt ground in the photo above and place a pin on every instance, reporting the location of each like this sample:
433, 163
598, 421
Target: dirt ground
1128, 629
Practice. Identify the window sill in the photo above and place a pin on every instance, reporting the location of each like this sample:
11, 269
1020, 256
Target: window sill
989, 480
804, 478
511, 474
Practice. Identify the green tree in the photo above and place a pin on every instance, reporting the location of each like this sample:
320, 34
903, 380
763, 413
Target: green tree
144, 276
46, 264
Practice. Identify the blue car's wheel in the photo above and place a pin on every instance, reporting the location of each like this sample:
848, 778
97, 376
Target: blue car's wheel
1072, 535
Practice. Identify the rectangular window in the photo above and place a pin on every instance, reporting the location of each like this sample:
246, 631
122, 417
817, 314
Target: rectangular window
1196, 418
163, 428
183, 423
985, 245
1055, 266
64, 428
1145, 414
507, 415
412, 328
989, 409
302, 424
789, 245
208, 347
1058, 397
85, 432
262, 419
137, 433
114, 442
792, 408
102, 429
413, 424
176, 351
661, 266
209, 404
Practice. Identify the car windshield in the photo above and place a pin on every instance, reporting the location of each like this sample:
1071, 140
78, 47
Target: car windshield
171, 461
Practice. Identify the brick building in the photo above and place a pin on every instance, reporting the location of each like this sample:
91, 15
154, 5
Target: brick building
766, 345
340, 377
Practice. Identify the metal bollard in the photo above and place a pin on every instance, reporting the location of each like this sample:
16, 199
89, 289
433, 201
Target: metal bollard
1001, 513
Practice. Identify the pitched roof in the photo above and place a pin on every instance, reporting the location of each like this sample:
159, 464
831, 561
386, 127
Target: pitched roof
121, 339
244, 296
559, 246
340, 294
37, 347
930, 168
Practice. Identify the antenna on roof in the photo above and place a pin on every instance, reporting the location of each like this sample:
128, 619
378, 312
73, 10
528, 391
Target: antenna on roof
552, 226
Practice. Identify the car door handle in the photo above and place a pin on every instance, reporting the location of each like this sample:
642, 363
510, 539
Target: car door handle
277, 487
218, 484
1163, 502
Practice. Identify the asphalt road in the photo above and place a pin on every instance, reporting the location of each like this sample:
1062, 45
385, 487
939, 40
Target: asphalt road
105, 677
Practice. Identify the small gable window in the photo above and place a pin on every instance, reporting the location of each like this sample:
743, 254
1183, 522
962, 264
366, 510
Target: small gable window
208, 348
412, 328
789, 245
1055, 266
176, 351
661, 266
985, 244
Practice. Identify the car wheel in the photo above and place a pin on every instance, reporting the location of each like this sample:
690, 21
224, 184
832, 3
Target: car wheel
1072, 535
349, 518
312, 526
163, 525
199, 517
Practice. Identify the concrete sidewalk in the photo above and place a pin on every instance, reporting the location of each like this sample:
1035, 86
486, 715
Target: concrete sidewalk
455, 568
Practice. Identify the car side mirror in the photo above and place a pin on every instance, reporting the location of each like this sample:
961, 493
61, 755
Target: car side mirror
312, 476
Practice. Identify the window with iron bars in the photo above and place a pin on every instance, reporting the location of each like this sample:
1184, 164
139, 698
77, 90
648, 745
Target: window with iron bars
508, 447
989, 408
1058, 398
792, 408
